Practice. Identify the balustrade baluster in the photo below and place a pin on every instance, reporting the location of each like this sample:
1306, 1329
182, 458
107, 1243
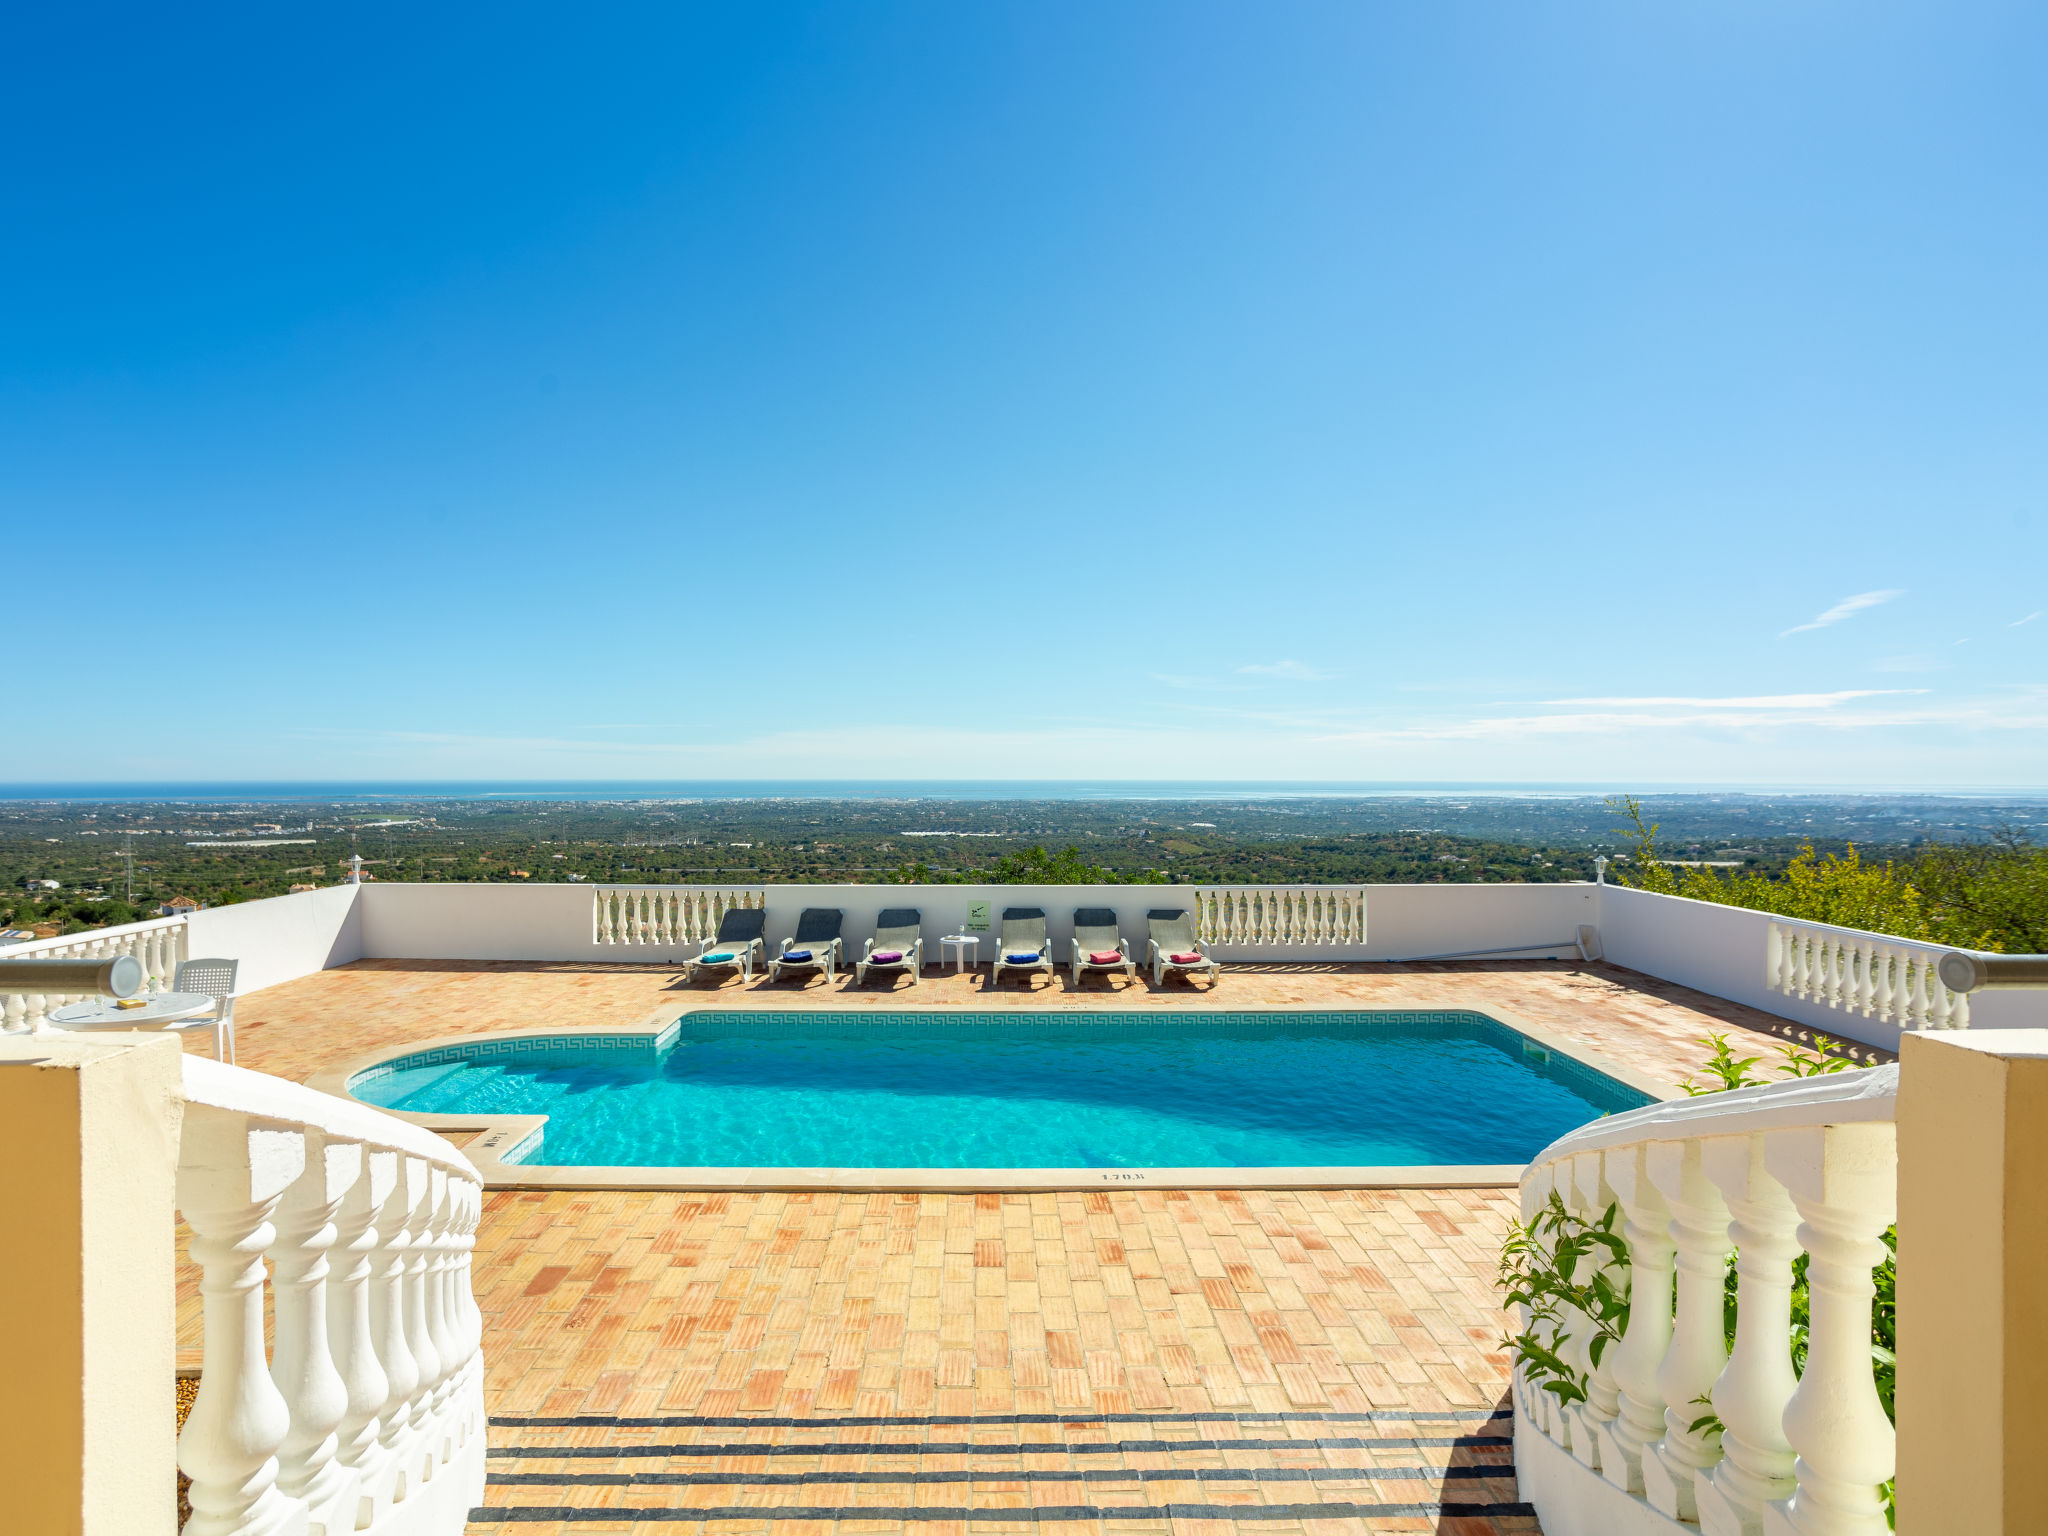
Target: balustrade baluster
1882, 992
1639, 1418
1750, 1396
396, 1224
1843, 1181
301, 1364
441, 1318
426, 1451
471, 1402
1693, 1363
352, 1341
231, 1173
1940, 1002
1588, 1196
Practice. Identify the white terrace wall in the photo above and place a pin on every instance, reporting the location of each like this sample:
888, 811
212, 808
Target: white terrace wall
553, 922
1723, 950
282, 937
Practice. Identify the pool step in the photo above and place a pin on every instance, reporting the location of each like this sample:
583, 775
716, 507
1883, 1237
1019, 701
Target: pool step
1410, 1470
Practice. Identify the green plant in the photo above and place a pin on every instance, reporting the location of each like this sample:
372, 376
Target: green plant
1725, 1070
1975, 896
1554, 1264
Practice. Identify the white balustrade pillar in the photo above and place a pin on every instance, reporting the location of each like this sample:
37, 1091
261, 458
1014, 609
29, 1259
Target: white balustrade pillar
231, 1172
1751, 1394
440, 1318
419, 1338
1699, 1232
351, 1337
1589, 1197
1639, 1418
301, 1364
1844, 1181
401, 1213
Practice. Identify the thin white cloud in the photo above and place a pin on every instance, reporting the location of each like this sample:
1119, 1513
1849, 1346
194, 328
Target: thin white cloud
1848, 607
2016, 623
1293, 671
1755, 701
1637, 724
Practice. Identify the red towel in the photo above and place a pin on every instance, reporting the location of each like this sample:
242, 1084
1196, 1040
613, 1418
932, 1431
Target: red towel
1187, 959
1105, 957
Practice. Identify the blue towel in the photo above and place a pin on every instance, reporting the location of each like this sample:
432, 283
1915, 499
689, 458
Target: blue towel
721, 957
1030, 957
796, 954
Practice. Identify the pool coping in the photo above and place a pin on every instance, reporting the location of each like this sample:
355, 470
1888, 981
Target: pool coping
499, 1137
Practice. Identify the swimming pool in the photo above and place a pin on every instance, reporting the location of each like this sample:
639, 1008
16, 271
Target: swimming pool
952, 1090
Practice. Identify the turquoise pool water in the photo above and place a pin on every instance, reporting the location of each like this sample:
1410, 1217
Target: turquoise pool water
1010, 1090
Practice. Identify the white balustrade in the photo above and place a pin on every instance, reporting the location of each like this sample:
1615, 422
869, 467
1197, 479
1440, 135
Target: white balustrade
1843, 1179
1587, 1195
1697, 1354
158, 945
1639, 1416
1766, 1173
1295, 916
369, 1417
1868, 974
664, 916
1756, 1384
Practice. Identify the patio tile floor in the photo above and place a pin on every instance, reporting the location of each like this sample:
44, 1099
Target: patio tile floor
1082, 1355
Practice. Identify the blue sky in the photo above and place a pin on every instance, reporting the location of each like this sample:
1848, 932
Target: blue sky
1349, 391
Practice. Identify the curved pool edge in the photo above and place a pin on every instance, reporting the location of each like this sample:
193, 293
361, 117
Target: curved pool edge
497, 1138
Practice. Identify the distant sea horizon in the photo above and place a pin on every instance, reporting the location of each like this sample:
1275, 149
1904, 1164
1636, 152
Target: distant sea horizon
344, 791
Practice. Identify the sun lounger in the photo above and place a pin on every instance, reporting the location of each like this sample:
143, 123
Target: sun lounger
898, 945
1174, 947
1024, 946
739, 939
1098, 945
816, 946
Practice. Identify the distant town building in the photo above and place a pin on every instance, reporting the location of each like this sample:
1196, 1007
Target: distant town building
15, 936
180, 906
41, 885
298, 888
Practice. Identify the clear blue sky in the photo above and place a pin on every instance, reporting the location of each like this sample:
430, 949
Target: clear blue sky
1349, 391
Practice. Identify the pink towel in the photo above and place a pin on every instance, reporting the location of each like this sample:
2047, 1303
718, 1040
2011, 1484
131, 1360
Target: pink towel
1187, 959
1105, 957
886, 956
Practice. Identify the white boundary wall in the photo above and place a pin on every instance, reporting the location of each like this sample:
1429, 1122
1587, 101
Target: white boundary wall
1725, 951
553, 922
282, 937
1718, 950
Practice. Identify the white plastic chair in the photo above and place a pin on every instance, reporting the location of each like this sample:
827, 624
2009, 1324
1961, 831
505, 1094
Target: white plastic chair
213, 978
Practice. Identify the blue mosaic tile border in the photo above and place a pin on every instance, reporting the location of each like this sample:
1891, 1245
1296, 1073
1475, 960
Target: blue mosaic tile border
565, 1048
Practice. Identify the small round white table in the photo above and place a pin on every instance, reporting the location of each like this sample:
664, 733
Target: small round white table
960, 943
157, 1010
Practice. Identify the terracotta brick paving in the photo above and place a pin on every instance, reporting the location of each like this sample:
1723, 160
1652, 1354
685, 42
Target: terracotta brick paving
1330, 1356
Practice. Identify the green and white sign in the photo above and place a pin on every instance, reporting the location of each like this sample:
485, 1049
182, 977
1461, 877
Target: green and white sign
977, 918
